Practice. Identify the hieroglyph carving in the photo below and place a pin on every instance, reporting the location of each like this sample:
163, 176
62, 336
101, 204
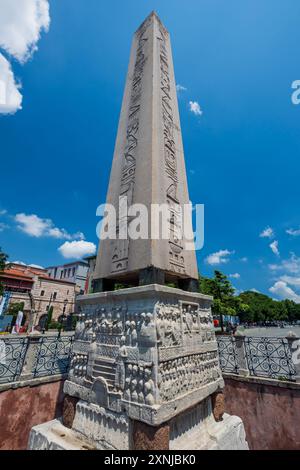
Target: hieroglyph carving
121, 244
176, 259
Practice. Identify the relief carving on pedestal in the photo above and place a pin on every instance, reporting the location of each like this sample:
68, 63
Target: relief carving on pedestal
185, 374
146, 357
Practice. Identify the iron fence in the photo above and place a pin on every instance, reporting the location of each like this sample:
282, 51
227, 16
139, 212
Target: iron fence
50, 355
34, 357
269, 357
260, 356
53, 356
12, 356
228, 354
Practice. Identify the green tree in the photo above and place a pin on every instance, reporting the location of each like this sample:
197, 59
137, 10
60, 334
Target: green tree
225, 302
3, 259
263, 308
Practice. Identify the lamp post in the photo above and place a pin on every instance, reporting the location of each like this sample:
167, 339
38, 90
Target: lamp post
64, 310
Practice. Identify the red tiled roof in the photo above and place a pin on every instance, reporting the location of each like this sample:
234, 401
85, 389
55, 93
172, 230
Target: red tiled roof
16, 274
62, 281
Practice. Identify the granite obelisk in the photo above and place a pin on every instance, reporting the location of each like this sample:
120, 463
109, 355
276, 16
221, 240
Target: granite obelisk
145, 372
148, 168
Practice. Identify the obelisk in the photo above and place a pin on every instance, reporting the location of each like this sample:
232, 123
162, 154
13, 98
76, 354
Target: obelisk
148, 168
145, 370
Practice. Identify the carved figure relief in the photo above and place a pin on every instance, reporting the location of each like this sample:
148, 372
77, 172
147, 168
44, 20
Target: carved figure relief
185, 374
139, 385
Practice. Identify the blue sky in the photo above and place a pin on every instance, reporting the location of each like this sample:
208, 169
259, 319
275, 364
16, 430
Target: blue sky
236, 59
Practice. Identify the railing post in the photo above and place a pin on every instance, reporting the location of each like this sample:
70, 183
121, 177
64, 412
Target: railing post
294, 346
241, 354
27, 372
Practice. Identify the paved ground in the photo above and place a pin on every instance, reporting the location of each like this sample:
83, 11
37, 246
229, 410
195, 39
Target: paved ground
274, 332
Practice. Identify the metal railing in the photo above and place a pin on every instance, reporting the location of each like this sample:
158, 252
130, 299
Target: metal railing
29, 357
52, 356
12, 357
228, 354
259, 356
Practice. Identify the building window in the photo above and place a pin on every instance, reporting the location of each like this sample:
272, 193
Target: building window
61, 274
73, 273
54, 295
42, 293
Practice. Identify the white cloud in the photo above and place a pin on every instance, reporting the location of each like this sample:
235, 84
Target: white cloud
10, 96
282, 290
290, 265
254, 290
195, 108
274, 247
267, 233
77, 249
244, 260
32, 224
18, 262
220, 257
235, 276
21, 24
180, 88
293, 281
3, 212
3, 226
35, 226
36, 266
294, 233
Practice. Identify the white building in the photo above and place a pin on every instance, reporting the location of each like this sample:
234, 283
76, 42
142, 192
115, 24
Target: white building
75, 272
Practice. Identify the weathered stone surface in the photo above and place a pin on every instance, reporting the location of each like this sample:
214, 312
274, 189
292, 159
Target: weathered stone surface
270, 410
218, 405
69, 410
196, 429
148, 438
148, 165
54, 436
149, 350
27, 406
104, 429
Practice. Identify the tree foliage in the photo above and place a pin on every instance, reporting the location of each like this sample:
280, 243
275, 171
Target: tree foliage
263, 308
3, 259
225, 302
249, 306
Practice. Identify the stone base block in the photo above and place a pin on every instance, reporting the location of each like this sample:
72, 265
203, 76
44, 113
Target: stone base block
55, 436
97, 428
197, 429
104, 429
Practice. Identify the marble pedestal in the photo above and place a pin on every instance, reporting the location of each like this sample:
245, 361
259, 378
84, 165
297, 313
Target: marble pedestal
145, 366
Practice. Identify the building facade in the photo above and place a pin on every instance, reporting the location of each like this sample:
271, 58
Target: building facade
72, 272
38, 292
